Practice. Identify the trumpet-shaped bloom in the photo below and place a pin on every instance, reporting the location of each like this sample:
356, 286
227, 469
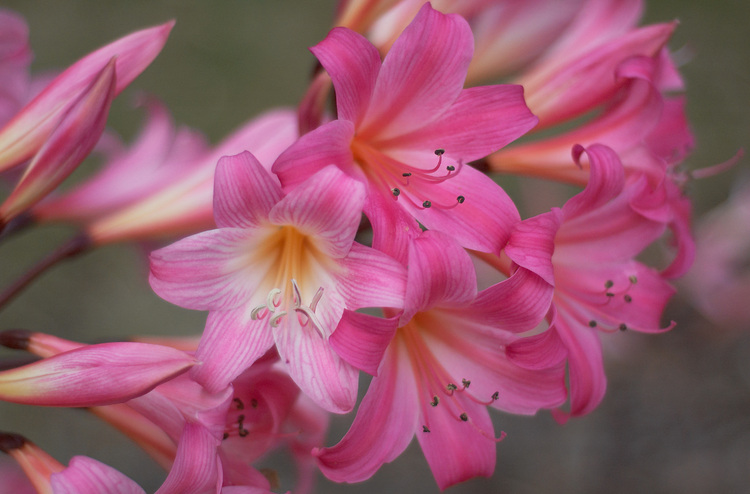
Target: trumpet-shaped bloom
587, 251
407, 128
93, 375
22, 137
443, 362
280, 269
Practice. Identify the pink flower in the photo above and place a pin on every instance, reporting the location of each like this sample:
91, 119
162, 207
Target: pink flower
444, 362
280, 269
587, 251
15, 58
22, 137
406, 128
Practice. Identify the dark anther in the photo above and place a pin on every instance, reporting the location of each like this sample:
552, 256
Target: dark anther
439, 152
240, 405
407, 174
451, 387
254, 403
395, 192
244, 432
465, 382
460, 199
592, 323
426, 204
425, 429
633, 279
240, 419
628, 298
450, 168
608, 284
609, 294
495, 395
464, 417
623, 327
434, 401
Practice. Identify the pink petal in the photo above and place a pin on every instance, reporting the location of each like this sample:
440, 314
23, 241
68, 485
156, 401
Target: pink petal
421, 76
384, 425
231, 342
244, 192
361, 339
23, 135
328, 207
458, 450
316, 368
197, 468
532, 244
606, 180
84, 376
393, 228
440, 272
87, 476
209, 270
481, 121
538, 352
353, 64
315, 150
67, 146
372, 279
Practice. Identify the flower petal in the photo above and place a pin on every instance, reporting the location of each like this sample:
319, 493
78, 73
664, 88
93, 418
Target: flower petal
197, 468
372, 279
87, 476
361, 339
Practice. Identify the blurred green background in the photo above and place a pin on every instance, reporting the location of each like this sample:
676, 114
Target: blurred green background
677, 414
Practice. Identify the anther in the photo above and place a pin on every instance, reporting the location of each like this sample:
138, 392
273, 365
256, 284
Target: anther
425, 429
592, 323
609, 284
439, 152
254, 403
465, 382
434, 401
396, 192
460, 199
450, 168
609, 294
464, 417
407, 174
238, 402
243, 432
633, 279
426, 204
623, 327
628, 298
495, 395
451, 387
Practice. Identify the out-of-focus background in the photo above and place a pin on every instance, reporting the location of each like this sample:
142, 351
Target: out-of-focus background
676, 417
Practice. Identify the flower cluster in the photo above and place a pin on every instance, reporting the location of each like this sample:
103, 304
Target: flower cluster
326, 244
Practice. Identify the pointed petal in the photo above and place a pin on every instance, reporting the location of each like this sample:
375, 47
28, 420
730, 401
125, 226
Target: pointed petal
606, 180
421, 76
315, 150
328, 206
384, 425
393, 227
231, 342
67, 146
532, 244
244, 192
481, 121
197, 468
87, 476
23, 135
316, 368
353, 64
458, 450
85, 376
361, 339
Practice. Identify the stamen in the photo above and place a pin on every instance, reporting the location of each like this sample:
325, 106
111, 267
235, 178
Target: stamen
238, 402
451, 388
495, 395
464, 417
592, 323
439, 152
466, 383
396, 192
434, 401
425, 429
427, 204
623, 327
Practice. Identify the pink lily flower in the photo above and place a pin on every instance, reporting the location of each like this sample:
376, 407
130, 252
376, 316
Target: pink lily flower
279, 270
587, 250
66, 147
159, 154
83, 377
15, 58
183, 205
406, 128
438, 364
25, 134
